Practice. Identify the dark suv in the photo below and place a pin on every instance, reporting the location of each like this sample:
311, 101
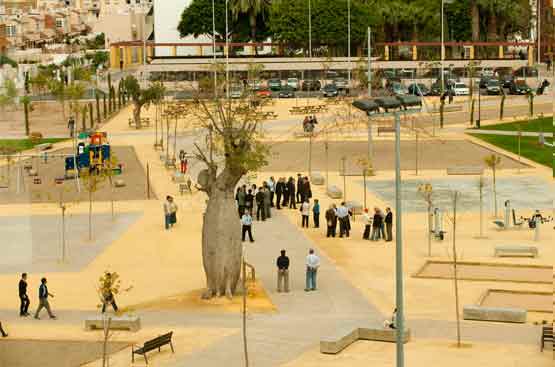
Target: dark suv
310, 85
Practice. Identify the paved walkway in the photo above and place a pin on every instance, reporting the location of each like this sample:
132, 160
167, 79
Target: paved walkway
303, 317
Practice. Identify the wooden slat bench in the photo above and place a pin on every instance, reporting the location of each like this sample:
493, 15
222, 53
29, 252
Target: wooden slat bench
156, 343
465, 170
43, 147
334, 192
515, 250
547, 336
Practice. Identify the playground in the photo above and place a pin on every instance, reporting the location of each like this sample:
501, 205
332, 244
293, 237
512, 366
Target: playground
45, 179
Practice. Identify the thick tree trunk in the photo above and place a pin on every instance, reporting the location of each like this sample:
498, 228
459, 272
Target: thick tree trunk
221, 243
137, 115
492, 27
475, 14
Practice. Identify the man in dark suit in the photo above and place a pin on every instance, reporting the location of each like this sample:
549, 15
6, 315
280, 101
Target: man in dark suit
24, 307
299, 187
291, 187
43, 300
279, 191
4, 334
388, 225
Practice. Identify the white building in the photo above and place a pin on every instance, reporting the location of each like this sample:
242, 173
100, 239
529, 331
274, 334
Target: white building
167, 14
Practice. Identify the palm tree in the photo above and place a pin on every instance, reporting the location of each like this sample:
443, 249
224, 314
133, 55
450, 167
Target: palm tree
253, 9
493, 161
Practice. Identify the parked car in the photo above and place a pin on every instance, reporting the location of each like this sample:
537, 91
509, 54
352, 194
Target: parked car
418, 89
493, 87
254, 85
398, 89
274, 84
341, 83
460, 89
293, 83
484, 81
506, 80
519, 87
236, 91
286, 92
330, 90
309, 85
263, 93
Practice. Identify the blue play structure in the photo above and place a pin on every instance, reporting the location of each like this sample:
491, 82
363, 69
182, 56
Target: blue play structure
93, 156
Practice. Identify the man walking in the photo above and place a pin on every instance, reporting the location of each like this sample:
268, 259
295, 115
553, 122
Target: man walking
343, 217
170, 212
108, 291
305, 212
246, 222
183, 161
282, 263
71, 126
316, 213
331, 220
312, 265
389, 225
43, 299
4, 334
23, 297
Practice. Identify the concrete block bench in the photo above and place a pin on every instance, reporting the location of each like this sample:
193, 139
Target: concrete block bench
498, 314
119, 183
334, 192
515, 250
317, 179
43, 147
343, 338
465, 170
354, 206
131, 323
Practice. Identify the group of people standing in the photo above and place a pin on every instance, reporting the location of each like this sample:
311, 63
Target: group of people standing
379, 225
278, 194
312, 263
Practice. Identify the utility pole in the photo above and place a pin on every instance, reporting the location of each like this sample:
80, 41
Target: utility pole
538, 34
310, 29
349, 43
214, 49
369, 63
343, 160
442, 48
399, 248
226, 50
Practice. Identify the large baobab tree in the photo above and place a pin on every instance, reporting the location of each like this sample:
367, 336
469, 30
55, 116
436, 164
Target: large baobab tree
232, 150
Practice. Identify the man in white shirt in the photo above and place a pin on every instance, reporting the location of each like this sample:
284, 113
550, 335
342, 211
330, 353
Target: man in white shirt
343, 217
305, 212
367, 220
312, 265
246, 222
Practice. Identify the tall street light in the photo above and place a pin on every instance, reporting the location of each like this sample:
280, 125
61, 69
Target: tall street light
214, 48
349, 43
226, 50
310, 29
443, 2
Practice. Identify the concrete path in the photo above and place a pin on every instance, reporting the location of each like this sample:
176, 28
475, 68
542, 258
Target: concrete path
304, 317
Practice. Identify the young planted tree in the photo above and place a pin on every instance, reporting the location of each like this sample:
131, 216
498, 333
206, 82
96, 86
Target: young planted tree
141, 97
481, 184
455, 268
98, 116
492, 162
27, 108
502, 104
233, 149
92, 181
427, 192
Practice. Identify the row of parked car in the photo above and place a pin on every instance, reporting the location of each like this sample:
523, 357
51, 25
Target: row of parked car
491, 85
287, 88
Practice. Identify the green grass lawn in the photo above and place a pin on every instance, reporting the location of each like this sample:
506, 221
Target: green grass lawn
17, 145
529, 147
544, 124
